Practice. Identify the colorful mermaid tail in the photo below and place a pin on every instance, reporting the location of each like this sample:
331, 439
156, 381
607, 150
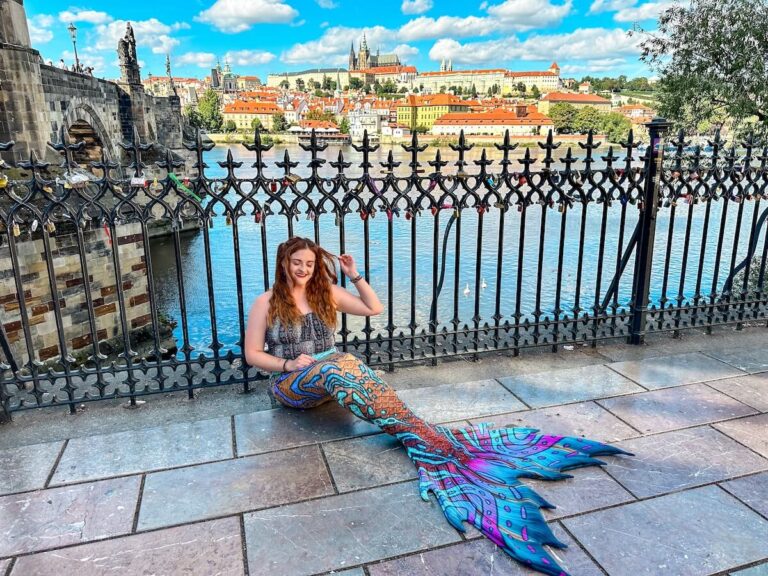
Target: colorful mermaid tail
473, 472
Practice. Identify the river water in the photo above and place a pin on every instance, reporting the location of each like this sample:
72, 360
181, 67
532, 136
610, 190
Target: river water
230, 321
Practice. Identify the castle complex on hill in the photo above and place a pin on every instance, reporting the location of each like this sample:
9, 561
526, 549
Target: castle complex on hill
364, 60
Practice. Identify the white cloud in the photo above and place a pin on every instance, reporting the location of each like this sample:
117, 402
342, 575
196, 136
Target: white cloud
324, 24
649, 11
610, 5
404, 50
151, 34
327, 4
82, 15
593, 66
522, 15
423, 27
416, 6
249, 57
581, 44
235, 16
39, 28
332, 48
201, 59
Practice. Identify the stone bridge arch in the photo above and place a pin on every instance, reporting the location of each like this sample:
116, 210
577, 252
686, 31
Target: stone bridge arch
82, 122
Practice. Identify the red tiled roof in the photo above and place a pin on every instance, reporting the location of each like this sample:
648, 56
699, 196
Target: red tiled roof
241, 107
492, 118
457, 72
574, 97
316, 124
432, 100
511, 74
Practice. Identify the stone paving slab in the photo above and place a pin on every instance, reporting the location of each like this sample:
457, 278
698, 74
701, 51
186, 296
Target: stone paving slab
761, 570
749, 359
352, 572
145, 450
752, 432
666, 371
27, 467
751, 390
4, 566
589, 489
197, 549
586, 419
450, 402
752, 490
345, 530
56, 517
369, 461
283, 428
675, 408
220, 488
682, 459
691, 533
483, 558
571, 385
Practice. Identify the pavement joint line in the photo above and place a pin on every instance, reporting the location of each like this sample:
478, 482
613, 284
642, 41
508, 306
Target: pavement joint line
724, 489
242, 514
9, 569
135, 523
523, 402
581, 546
56, 463
243, 544
711, 425
619, 418
753, 564
234, 435
742, 402
612, 369
328, 469
490, 416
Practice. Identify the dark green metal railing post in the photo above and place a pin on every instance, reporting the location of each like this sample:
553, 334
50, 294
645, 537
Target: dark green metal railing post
657, 128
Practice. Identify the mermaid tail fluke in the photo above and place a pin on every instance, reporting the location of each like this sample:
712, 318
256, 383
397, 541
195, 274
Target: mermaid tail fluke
478, 483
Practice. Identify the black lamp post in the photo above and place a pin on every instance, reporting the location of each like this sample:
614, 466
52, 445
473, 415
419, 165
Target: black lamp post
73, 33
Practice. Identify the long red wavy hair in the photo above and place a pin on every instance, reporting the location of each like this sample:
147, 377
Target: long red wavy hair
319, 296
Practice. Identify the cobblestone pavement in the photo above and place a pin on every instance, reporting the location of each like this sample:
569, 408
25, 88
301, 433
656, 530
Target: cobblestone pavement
236, 487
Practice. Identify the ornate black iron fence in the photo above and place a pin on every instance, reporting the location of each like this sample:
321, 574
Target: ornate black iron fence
578, 247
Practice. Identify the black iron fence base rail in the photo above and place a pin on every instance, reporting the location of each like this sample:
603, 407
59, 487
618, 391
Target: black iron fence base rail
511, 216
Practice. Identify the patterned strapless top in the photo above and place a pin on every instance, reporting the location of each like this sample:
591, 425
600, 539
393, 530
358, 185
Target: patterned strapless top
310, 337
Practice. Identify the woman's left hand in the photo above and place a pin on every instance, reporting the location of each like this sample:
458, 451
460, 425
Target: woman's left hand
347, 265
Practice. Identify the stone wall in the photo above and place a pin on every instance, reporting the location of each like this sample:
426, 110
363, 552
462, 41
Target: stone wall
71, 290
70, 97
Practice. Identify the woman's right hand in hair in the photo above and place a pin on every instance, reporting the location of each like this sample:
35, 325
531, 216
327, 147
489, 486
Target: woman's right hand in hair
300, 362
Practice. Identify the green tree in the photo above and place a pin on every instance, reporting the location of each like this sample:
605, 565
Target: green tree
521, 87
230, 126
326, 116
344, 126
564, 116
299, 84
587, 118
355, 84
421, 129
209, 108
704, 76
615, 126
279, 123
403, 90
284, 84
255, 124
473, 91
194, 119
535, 94
326, 85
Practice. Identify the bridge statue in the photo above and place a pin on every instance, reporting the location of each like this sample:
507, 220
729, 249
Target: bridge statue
40, 99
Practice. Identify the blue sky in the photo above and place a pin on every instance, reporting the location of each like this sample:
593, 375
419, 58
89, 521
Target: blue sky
263, 36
